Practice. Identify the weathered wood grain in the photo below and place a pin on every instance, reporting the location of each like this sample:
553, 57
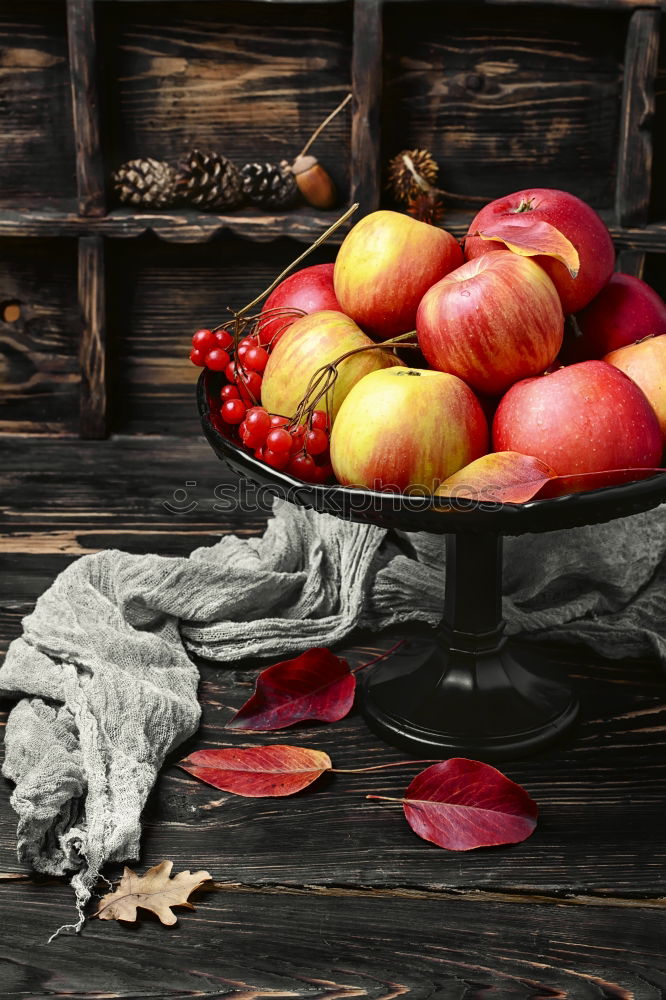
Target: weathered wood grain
83, 63
182, 226
658, 205
334, 944
634, 167
367, 88
158, 297
37, 161
93, 347
631, 262
249, 82
39, 377
516, 97
600, 793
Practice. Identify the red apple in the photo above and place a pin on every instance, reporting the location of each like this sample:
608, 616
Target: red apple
406, 429
384, 267
503, 476
576, 220
491, 322
310, 343
645, 364
626, 310
309, 290
588, 417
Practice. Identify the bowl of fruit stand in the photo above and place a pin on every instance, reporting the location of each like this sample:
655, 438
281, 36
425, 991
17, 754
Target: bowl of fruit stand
466, 688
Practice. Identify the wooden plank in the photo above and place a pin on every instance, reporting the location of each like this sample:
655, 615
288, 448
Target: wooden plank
340, 943
181, 226
634, 171
367, 63
506, 97
39, 330
631, 262
83, 63
93, 347
37, 162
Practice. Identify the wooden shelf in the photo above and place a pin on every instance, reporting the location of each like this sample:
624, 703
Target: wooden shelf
303, 225
178, 226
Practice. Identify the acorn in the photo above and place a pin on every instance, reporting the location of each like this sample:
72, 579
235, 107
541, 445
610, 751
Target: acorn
313, 180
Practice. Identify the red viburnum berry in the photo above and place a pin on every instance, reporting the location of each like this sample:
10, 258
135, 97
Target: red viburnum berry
276, 459
316, 441
217, 360
224, 339
279, 440
233, 411
204, 341
319, 420
197, 358
256, 359
229, 391
302, 467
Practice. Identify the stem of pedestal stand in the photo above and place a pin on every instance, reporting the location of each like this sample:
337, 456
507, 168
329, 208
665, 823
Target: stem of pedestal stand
467, 690
473, 595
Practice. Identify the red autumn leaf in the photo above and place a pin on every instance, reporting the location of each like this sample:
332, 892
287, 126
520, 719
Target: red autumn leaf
463, 804
534, 237
582, 481
314, 685
258, 772
500, 477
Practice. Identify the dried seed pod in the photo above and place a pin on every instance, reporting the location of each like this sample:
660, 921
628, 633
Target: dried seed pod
314, 182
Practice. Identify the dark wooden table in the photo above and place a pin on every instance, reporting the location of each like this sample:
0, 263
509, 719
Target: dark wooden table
327, 895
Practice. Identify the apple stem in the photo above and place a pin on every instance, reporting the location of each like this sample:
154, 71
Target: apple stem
317, 243
320, 128
385, 798
380, 656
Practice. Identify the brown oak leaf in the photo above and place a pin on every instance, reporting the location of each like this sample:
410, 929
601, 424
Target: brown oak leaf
155, 891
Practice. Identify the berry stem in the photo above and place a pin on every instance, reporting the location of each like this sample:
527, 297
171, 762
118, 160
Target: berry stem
317, 132
317, 243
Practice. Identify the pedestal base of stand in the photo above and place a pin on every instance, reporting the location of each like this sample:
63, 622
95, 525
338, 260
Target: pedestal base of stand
497, 704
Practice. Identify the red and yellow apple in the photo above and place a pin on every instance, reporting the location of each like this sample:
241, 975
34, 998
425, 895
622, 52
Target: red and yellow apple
491, 322
406, 429
309, 290
384, 267
589, 417
310, 343
502, 476
579, 223
645, 364
625, 311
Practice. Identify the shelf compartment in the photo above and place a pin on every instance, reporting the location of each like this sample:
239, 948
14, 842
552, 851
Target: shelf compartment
157, 297
248, 81
35, 108
520, 97
39, 334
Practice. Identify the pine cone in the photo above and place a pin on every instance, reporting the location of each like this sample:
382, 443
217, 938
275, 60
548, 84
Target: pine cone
409, 172
145, 182
427, 206
271, 185
209, 180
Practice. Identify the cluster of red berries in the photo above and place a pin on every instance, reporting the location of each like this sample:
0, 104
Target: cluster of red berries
301, 450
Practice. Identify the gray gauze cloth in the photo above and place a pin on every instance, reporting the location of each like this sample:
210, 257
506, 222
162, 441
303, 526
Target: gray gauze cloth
108, 688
